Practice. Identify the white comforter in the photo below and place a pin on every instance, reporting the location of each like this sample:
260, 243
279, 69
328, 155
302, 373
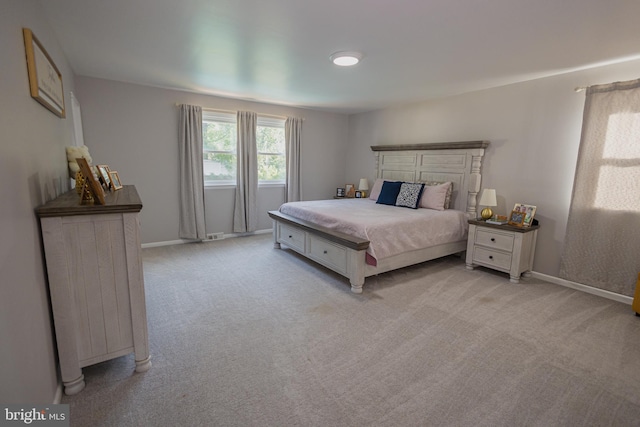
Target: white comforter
390, 230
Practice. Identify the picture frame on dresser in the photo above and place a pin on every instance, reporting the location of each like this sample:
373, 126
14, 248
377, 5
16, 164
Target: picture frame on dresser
94, 186
103, 173
116, 184
340, 192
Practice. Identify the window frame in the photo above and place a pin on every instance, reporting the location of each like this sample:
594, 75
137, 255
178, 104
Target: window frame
262, 121
275, 123
220, 117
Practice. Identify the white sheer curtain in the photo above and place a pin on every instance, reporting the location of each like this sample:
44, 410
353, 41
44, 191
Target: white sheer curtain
192, 224
245, 216
293, 137
602, 244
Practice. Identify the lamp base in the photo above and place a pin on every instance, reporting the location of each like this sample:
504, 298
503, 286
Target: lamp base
486, 213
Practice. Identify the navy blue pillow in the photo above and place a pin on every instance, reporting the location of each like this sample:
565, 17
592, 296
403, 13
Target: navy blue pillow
389, 193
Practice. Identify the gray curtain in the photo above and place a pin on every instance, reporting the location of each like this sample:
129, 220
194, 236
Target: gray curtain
245, 215
293, 136
192, 225
602, 247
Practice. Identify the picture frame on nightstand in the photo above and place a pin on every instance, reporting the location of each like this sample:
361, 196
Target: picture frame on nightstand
339, 192
517, 218
350, 190
529, 210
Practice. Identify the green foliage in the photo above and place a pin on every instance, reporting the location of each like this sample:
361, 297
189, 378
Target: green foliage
219, 136
271, 150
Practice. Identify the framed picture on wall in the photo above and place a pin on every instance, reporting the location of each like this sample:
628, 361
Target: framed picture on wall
45, 81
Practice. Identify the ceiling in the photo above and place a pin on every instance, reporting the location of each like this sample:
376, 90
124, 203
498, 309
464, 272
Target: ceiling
277, 51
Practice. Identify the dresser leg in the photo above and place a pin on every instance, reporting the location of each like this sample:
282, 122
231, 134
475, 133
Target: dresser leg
515, 279
470, 267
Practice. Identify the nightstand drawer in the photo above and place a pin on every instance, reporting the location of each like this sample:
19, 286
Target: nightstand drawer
495, 240
492, 258
328, 254
291, 237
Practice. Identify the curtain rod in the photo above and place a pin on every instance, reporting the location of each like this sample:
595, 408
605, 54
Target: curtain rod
275, 116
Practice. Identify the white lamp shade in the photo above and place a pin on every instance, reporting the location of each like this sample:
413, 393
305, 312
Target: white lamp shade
488, 197
364, 184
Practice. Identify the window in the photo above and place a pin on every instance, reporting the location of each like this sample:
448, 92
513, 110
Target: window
618, 180
219, 140
272, 166
220, 148
600, 247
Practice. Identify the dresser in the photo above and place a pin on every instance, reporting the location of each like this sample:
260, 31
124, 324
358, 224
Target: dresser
94, 268
501, 247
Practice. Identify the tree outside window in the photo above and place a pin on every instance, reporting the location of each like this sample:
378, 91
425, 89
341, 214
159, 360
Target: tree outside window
219, 136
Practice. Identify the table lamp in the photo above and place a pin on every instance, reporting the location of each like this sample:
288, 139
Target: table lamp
363, 186
488, 199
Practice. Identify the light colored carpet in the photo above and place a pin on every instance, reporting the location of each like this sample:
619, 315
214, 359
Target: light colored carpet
242, 334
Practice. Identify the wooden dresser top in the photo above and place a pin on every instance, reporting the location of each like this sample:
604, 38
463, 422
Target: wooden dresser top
125, 200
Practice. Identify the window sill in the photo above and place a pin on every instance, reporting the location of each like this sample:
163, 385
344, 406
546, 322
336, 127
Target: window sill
271, 185
227, 186
218, 186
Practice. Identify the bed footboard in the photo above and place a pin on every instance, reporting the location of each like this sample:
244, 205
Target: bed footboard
337, 251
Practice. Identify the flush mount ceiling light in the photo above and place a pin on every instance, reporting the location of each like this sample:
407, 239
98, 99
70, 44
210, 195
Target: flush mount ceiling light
346, 59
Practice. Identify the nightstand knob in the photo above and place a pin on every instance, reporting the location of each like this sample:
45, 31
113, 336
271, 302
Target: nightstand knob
490, 256
290, 236
324, 252
493, 239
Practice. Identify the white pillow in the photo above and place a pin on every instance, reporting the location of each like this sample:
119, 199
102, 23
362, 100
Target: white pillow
375, 190
435, 196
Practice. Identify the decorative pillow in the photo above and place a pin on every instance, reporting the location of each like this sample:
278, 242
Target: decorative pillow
389, 192
435, 196
375, 190
449, 184
409, 195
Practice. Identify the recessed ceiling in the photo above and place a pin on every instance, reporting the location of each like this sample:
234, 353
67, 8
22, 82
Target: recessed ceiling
277, 51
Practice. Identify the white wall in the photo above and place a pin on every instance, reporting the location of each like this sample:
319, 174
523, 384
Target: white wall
534, 131
33, 170
134, 129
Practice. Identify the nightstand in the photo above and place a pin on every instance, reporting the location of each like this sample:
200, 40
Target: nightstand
502, 247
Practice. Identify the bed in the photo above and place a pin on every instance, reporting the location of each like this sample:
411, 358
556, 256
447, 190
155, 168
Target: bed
358, 253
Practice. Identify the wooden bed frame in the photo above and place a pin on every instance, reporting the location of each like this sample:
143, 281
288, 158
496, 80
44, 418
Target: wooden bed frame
458, 162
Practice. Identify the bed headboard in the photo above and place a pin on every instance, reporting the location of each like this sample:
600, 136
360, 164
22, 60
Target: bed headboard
458, 162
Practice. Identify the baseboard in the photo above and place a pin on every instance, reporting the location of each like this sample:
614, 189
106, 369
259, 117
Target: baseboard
183, 241
584, 288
